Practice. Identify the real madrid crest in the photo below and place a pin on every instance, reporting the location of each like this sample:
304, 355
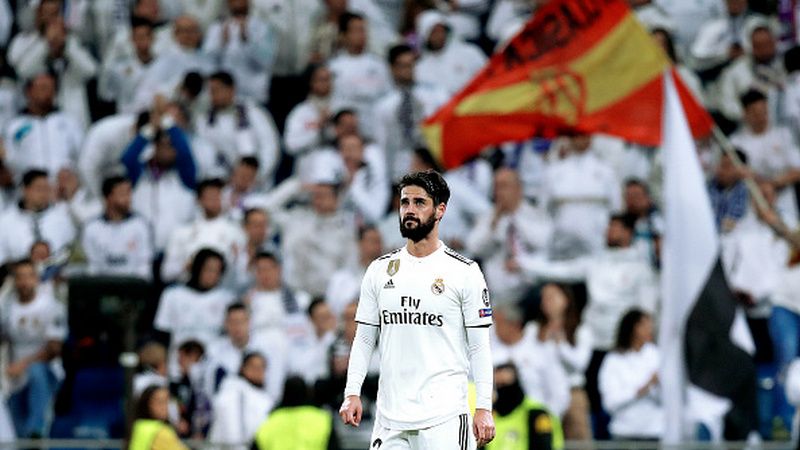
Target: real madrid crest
393, 267
438, 286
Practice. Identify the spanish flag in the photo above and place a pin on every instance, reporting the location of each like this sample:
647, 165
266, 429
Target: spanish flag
585, 66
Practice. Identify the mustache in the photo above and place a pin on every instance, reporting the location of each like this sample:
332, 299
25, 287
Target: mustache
411, 218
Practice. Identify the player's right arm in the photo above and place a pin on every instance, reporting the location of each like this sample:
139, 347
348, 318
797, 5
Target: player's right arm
367, 330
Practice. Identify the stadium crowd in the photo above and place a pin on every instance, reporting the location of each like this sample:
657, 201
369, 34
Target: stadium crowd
240, 155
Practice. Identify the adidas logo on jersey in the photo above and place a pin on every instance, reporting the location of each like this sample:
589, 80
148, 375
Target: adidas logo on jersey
389, 284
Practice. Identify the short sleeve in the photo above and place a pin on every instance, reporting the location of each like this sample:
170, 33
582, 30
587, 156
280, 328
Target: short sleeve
475, 305
367, 311
57, 325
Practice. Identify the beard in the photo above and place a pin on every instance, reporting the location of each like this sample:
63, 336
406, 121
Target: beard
420, 231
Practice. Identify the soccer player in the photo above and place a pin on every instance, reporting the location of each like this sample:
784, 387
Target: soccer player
431, 308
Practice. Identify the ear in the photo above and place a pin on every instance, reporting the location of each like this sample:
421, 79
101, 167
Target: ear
440, 209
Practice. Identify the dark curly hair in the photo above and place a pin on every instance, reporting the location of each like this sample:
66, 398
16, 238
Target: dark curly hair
431, 181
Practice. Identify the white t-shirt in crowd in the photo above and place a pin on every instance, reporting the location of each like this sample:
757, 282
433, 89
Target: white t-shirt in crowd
122, 247
29, 326
223, 354
189, 314
621, 376
423, 306
239, 408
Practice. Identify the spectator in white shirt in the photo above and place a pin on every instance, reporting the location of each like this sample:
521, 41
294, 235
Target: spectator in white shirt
166, 73
581, 191
360, 78
33, 220
119, 43
722, 39
119, 242
516, 229
269, 300
212, 229
406, 105
446, 61
761, 68
51, 48
238, 128
309, 345
557, 320
541, 375
629, 382
100, 153
316, 241
308, 126
195, 310
241, 405
225, 353
35, 326
161, 167
121, 73
241, 188
245, 45
771, 153
42, 137
345, 284
365, 187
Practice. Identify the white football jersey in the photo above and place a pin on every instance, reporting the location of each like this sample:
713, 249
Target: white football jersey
423, 307
28, 326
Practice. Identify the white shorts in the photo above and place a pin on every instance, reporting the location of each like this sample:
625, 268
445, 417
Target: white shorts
455, 434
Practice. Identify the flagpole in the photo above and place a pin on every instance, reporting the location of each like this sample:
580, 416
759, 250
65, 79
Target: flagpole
752, 187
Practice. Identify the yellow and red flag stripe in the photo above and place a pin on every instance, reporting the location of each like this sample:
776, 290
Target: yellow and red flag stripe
585, 66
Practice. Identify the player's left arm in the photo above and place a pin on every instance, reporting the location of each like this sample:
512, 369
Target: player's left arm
481, 361
477, 312
367, 332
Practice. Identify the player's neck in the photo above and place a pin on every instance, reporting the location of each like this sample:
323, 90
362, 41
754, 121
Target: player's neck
423, 247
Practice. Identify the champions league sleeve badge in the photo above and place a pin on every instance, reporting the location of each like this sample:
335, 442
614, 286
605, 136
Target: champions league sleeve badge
438, 286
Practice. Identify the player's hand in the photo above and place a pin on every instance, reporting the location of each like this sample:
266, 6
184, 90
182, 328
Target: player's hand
351, 410
483, 426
